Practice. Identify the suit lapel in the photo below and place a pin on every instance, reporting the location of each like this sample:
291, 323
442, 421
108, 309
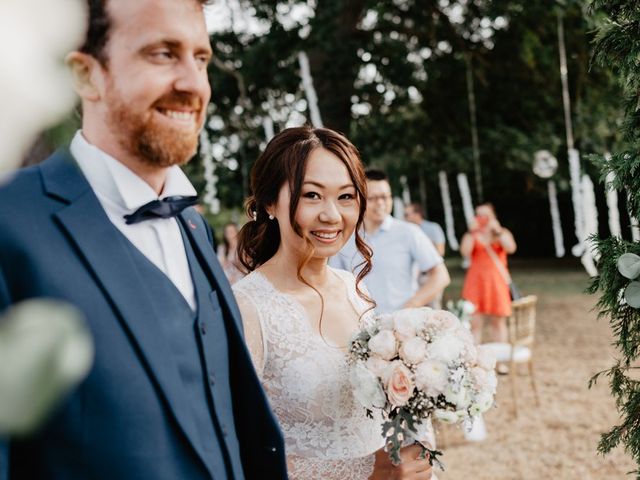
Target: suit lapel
195, 227
107, 254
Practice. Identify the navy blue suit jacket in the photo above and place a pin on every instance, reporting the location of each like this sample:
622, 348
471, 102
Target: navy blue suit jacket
129, 419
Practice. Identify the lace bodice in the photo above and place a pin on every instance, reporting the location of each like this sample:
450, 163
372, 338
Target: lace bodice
327, 433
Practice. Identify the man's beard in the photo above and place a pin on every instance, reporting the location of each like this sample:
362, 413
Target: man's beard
155, 144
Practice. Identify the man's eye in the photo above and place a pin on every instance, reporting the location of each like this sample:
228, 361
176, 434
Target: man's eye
161, 55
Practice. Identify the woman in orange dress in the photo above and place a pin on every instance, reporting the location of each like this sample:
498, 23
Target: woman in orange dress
485, 284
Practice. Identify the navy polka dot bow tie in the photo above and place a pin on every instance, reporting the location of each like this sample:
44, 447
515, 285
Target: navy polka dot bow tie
166, 208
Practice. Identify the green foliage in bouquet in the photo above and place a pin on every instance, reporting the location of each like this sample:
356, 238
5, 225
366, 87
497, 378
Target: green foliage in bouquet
617, 46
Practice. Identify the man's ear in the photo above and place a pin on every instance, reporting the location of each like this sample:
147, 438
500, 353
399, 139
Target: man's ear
83, 68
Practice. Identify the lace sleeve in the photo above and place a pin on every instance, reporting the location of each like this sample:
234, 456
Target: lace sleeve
253, 332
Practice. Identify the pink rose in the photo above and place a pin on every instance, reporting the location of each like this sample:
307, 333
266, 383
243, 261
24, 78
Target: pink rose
399, 384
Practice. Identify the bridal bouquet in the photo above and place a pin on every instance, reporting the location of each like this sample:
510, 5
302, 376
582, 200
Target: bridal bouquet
416, 364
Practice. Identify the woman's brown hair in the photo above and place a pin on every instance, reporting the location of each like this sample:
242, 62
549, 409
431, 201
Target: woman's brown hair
285, 161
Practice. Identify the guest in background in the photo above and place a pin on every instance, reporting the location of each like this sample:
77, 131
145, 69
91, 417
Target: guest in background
400, 250
414, 213
228, 255
486, 284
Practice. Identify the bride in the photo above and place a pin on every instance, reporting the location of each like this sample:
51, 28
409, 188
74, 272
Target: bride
299, 314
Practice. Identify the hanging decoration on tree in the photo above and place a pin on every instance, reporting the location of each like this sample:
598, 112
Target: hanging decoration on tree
448, 211
612, 202
310, 91
267, 124
590, 224
210, 191
465, 193
576, 198
635, 228
581, 249
545, 166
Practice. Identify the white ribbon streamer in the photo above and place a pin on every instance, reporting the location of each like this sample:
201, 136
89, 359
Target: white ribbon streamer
310, 91
590, 226
210, 191
267, 124
558, 237
612, 203
465, 193
576, 197
448, 211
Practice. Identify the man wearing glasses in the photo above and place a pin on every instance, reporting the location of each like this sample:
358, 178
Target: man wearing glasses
398, 248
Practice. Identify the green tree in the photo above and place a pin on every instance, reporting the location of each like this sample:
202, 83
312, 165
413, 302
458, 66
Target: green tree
618, 46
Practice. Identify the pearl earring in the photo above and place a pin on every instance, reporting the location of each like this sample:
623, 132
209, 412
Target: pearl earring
271, 217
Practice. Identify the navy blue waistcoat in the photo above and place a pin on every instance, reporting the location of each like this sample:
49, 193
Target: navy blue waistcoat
199, 346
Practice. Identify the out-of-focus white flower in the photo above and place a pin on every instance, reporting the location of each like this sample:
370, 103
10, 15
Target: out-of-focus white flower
468, 308
384, 344
485, 358
446, 348
367, 388
35, 89
432, 376
377, 365
413, 350
45, 349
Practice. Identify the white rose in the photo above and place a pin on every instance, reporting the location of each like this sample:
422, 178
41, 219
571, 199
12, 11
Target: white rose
445, 416
431, 377
443, 320
413, 350
385, 322
481, 403
470, 354
445, 348
384, 344
485, 358
407, 322
367, 388
377, 365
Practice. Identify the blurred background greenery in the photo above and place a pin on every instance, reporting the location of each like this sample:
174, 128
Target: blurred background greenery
395, 76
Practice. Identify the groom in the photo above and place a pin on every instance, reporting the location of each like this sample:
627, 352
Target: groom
172, 393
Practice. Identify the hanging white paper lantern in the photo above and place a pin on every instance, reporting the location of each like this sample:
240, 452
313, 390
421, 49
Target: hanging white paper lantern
544, 164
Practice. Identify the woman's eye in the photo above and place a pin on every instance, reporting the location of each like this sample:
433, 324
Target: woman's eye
347, 196
312, 195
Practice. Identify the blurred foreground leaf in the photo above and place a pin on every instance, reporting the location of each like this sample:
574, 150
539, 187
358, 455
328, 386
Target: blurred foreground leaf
45, 350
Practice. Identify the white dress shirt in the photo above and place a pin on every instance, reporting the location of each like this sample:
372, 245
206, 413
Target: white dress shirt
121, 192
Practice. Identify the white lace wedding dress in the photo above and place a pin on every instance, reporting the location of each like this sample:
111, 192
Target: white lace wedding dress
327, 433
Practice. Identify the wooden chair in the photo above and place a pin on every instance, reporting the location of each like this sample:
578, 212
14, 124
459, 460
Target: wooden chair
521, 326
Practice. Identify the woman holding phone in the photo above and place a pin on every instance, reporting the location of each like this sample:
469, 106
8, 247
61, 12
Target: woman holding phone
486, 285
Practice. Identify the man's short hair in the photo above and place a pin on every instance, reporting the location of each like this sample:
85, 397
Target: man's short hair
99, 27
417, 207
375, 174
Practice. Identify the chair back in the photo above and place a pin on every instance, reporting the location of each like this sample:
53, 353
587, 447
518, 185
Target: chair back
522, 322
